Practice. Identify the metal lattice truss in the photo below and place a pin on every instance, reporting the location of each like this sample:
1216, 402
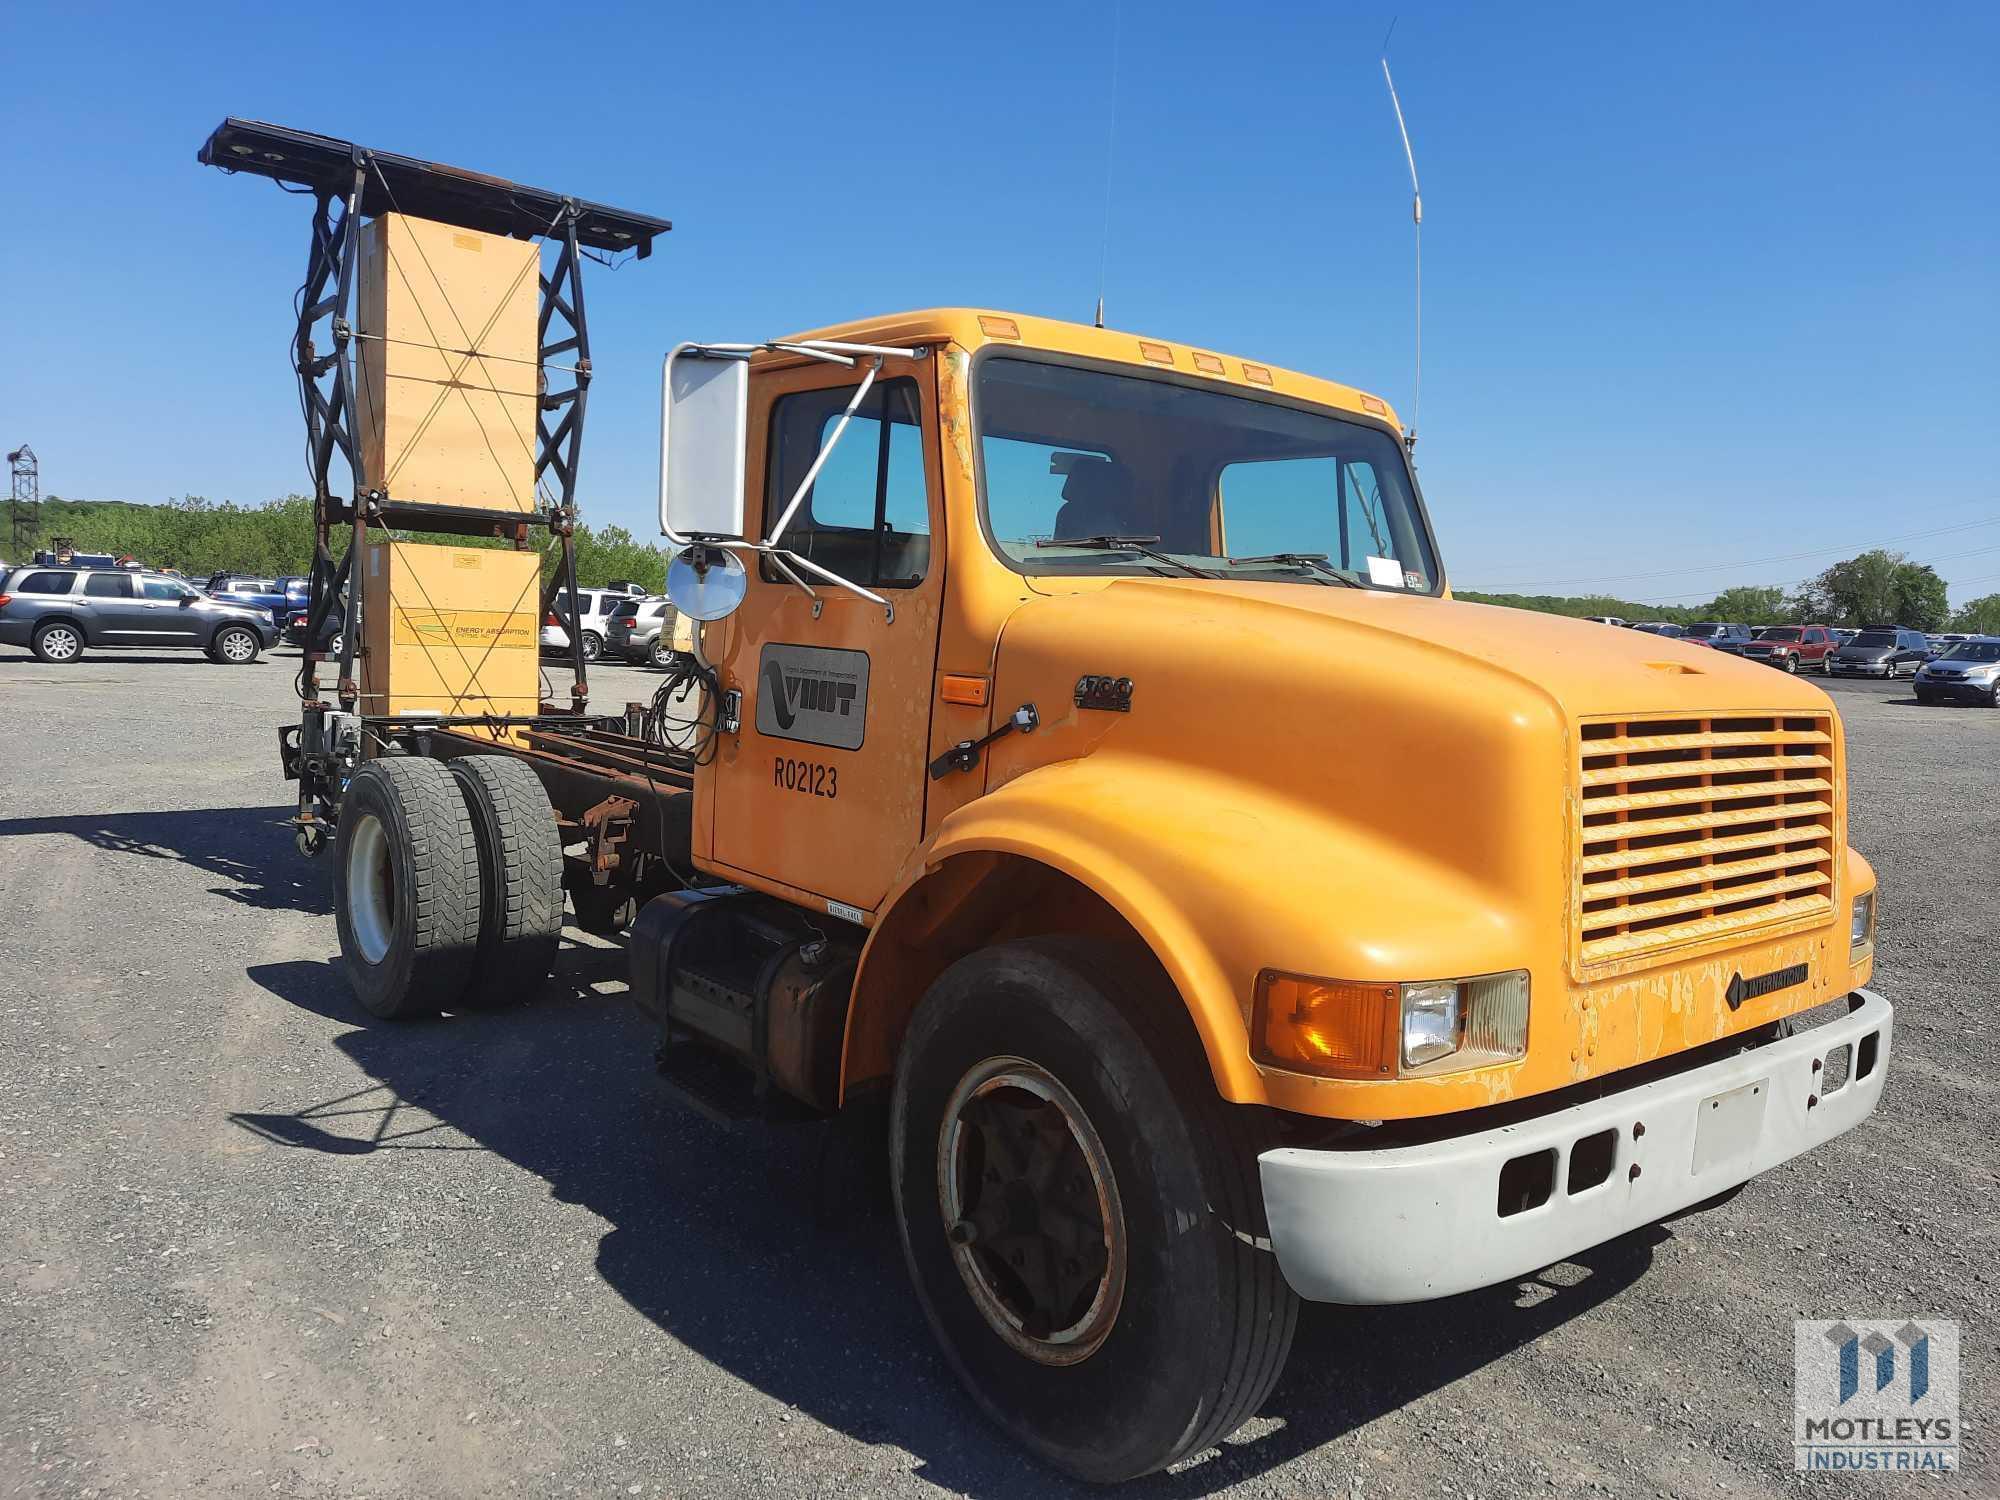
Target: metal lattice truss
349, 183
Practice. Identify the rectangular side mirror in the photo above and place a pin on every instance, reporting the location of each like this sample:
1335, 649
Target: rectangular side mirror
704, 440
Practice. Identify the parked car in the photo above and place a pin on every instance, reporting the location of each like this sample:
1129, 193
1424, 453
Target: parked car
1604, 619
1943, 643
1792, 648
593, 614
1879, 651
329, 631
58, 612
1968, 673
1842, 635
642, 630
1665, 628
1715, 633
629, 589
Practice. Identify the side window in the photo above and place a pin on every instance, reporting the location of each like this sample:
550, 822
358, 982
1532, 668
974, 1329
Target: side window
46, 583
108, 586
867, 516
165, 588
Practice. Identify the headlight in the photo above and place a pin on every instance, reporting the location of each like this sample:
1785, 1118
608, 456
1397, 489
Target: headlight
1861, 922
1342, 1029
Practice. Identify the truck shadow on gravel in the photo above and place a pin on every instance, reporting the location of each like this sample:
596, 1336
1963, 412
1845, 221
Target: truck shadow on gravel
769, 1250
251, 846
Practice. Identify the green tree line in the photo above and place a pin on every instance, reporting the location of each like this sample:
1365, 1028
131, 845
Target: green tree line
1876, 588
203, 537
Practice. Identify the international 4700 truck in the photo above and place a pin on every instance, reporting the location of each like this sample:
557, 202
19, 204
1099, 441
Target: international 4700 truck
1076, 752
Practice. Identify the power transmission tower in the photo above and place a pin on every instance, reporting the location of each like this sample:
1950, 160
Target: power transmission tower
25, 504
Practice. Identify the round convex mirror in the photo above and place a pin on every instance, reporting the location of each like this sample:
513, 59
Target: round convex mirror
706, 583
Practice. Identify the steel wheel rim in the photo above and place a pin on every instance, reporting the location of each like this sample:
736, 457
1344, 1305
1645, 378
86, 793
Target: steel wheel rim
60, 643
236, 645
371, 887
1036, 1231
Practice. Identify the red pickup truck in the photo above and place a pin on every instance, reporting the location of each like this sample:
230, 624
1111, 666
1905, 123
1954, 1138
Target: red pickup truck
1793, 648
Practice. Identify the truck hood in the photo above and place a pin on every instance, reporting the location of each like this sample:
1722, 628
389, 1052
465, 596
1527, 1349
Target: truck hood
1322, 642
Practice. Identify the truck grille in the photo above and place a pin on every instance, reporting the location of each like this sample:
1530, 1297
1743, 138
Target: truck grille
1696, 829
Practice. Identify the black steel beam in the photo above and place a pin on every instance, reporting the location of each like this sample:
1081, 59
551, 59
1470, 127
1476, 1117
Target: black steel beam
428, 189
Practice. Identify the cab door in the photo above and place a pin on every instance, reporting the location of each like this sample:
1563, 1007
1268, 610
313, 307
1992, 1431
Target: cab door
822, 793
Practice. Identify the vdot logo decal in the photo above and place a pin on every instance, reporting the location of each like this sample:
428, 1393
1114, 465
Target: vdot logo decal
1878, 1394
813, 694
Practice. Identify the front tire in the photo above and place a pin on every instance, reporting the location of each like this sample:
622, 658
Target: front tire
1081, 1213
406, 887
659, 654
1792, 666
58, 642
234, 646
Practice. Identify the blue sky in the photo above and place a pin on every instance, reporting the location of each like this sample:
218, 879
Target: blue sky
1703, 284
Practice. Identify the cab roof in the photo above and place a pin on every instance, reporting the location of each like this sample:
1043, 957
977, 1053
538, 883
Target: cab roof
973, 328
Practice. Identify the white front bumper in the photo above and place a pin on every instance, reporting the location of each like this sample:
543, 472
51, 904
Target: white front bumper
1408, 1223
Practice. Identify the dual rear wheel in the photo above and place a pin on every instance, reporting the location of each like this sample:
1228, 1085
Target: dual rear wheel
447, 884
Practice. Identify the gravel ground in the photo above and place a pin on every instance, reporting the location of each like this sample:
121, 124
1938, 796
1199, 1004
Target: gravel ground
254, 1245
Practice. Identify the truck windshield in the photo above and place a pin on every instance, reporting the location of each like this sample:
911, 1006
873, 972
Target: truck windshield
1087, 471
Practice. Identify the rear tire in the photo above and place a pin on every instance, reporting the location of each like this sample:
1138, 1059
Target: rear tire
1179, 1323
593, 645
58, 642
406, 887
520, 878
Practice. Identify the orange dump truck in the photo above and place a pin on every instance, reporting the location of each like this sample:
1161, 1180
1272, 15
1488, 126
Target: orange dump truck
1074, 752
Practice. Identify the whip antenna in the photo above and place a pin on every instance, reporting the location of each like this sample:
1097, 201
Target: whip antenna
1416, 218
1110, 159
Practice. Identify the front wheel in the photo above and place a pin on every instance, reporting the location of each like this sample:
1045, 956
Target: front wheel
234, 646
1792, 666
659, 653
1081, 1213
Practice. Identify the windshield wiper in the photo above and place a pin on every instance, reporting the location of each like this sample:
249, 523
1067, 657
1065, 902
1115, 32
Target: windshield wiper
1315, 560
1125, 544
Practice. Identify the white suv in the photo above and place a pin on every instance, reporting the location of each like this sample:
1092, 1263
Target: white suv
594, 613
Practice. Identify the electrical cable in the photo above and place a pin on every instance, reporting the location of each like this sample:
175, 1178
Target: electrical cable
667, 722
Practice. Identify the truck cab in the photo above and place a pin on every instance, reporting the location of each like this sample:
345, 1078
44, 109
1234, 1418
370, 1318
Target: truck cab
1103, 776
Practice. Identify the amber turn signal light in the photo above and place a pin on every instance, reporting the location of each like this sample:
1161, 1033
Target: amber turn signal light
1324, 1026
